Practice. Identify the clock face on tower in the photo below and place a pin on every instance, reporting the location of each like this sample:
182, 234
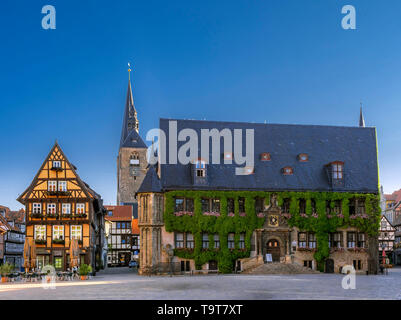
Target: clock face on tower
273, 221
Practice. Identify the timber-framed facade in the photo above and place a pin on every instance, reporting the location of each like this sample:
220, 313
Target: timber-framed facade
60, 206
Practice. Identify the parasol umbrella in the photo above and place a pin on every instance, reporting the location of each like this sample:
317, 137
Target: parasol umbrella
27, 254
33, 255
74, 251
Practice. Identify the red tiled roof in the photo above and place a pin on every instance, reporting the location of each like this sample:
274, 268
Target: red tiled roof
120, 213
135, 228
16, 216
395, 196
4, 221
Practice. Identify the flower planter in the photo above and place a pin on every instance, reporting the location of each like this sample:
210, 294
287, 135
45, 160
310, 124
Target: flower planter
4, 279
84, 277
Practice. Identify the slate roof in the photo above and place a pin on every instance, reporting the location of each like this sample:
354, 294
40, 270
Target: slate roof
151, 182
129, 136
355, 146
133, 140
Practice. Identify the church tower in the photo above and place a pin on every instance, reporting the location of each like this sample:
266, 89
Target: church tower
131, 160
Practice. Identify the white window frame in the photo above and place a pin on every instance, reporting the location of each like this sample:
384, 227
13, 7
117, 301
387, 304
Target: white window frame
62, 186
66, 208
52, 185
37, 207
76, 230
80, 208
51, 206
41, 231
338, 170
58, 232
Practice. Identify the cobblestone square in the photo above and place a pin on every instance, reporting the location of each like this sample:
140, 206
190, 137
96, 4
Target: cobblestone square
123, 284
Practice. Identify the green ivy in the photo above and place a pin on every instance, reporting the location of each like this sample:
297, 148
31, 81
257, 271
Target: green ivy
225, 257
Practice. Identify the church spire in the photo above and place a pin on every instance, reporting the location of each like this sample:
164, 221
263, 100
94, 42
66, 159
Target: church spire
361, 119
130, 121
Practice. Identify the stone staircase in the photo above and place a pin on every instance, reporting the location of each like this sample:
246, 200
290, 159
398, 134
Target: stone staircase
280, 268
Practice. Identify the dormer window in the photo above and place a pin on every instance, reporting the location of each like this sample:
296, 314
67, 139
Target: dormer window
337, 169
200, 167
303, 157
287, 171
265, 156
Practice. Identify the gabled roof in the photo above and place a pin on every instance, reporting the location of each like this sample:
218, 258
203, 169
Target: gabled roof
383, 217
120, 213
355, 146
395, 196
151, 182
4, 224
85, 188
16, 216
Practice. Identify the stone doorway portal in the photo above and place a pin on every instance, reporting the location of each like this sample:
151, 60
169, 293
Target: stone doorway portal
273, 247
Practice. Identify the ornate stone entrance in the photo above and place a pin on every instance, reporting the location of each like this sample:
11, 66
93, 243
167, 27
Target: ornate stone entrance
274, 237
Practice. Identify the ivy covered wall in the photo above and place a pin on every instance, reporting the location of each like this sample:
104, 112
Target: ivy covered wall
320, 223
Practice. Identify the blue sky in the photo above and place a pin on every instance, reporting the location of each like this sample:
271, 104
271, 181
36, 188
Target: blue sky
286, 61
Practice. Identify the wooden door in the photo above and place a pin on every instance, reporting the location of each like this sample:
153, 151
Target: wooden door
273, 247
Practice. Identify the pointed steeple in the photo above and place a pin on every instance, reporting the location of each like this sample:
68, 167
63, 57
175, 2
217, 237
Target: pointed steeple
130, 122
361, 119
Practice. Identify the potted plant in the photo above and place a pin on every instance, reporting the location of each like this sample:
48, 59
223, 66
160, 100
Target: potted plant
84, 270
5, 269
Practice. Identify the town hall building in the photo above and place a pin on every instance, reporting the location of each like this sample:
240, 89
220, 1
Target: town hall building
311, 198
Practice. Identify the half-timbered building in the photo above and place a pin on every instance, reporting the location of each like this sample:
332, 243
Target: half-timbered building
119, 235
386, 238
60, 206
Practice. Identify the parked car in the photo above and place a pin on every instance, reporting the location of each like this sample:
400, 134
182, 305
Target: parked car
133, 264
